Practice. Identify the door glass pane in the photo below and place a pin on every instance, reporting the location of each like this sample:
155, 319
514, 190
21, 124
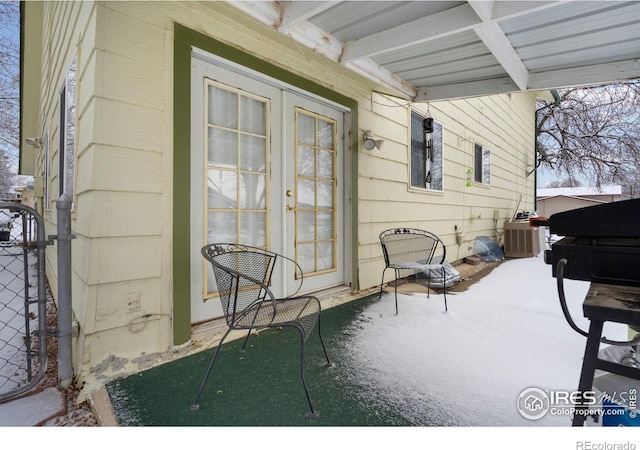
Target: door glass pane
325, 194
306, 193
325, 134
252, 191
252, 116
222, 227
223, 108
223, 148
325, 164
253, 156
306, 161
325, 225
252, 228
307, 257
306, 226
306, 129
325, 255
222, 189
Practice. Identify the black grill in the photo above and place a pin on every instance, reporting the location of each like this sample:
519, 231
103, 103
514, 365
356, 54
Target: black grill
601, 243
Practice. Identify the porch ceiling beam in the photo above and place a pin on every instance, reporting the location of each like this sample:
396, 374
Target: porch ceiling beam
462, 90
498, 44
294, 13
588, 75
594, 74
452, 21
483, 8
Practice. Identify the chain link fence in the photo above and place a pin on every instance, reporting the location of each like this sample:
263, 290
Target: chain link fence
23, 321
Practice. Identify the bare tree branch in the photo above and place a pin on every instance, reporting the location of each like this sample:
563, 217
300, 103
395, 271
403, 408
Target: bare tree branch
593, 133
9, 94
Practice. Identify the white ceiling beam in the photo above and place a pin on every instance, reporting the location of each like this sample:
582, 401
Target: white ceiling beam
483, 8
296, 12
499, 45
451, 21
553, 79
586, 75
465, 90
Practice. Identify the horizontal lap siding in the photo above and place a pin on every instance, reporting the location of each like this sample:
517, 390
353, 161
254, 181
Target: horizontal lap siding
502, 123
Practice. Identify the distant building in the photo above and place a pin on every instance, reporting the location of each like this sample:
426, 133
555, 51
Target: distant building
554, 200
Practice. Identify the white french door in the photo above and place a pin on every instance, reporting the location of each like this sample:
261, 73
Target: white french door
267, 168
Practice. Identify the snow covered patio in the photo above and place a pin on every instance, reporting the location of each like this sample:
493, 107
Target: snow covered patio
423, 367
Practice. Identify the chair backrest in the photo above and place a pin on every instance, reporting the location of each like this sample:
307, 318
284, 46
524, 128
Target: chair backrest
402, 245
243, 274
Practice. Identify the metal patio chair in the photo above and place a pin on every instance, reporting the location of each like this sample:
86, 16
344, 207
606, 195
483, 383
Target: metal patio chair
243, 275
413, 249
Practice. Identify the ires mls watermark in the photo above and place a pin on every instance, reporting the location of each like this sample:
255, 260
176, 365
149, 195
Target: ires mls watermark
534, 403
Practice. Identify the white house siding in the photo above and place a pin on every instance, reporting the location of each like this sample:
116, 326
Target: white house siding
123, 203
503, 123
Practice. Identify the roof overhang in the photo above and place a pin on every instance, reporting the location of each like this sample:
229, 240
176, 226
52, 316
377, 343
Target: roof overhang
435, 50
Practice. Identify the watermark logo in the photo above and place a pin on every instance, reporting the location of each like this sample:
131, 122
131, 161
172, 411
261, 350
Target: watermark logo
533, 403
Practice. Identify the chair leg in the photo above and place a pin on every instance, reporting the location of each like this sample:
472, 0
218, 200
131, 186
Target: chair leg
324, 349
395, 286
245, 341
312, 412
382, 282
196, 405
444, 288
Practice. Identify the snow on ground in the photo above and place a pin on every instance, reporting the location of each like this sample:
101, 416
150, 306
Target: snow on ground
503, 335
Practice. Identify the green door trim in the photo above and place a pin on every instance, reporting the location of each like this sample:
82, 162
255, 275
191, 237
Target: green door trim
184, 40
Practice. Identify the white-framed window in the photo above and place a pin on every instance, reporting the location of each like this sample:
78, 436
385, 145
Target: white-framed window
67, 132
482, 164
427, 144
47, 172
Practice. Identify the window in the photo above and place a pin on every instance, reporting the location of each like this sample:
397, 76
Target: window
426, 153
482, 164
45, 183
68, 131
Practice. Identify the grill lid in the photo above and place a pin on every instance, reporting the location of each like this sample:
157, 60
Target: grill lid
618, 220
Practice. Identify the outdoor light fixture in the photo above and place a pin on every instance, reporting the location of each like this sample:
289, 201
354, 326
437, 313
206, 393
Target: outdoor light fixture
34, 142
370, 143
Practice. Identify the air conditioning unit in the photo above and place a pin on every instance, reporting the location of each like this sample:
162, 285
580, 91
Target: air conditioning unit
521, 240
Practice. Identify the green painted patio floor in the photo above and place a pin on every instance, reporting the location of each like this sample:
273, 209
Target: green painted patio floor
262, 387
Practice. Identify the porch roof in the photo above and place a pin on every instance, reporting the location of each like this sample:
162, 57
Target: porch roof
434, 50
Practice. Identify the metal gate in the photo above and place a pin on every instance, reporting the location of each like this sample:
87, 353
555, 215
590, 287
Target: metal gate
23, 315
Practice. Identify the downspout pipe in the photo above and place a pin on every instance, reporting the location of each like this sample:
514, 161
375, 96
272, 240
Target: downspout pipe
65, 314
556, 102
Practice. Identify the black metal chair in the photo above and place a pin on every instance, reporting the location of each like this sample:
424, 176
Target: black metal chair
413, 249
243, 275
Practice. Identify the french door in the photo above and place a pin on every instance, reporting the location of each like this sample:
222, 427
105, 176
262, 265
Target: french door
267, 167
